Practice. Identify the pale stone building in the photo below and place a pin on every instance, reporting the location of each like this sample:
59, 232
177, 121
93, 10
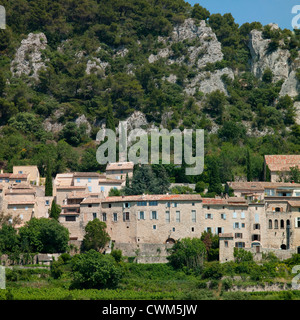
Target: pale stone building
119, 170
32, 172
279, 166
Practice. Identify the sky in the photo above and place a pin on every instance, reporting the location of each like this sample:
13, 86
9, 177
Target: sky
264, 11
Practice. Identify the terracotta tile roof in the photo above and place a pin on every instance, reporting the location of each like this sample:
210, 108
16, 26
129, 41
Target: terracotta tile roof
282, 162
213, 201
294, 204
21, 186
77, 195
155, 197
20, 202
91, 200
70, 206
225, 235
253, 186
108, 181
120, 166
19, 176
5, 175
71, 187
19, 191
86, 174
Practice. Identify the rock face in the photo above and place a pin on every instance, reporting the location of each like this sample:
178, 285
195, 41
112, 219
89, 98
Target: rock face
204, 49
95, 65
208, 82
277, 61
28, 59
207, 50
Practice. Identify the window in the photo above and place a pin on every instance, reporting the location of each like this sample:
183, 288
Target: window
209, 216
90, 189
168, 216
240, 244
174, 205
90, 205
255, 237
297, 222
242, 215
168, 204
89, 180
78, 179
154, 227
234, 215
109, 205
193, 203
15, 208
26, 208
236, 225
276, 224
125, 216
223, 216
141, 215
21, 216
70, 218
142, 203
270, 224
153, 203
238, 235
104, 217
193, 215
47, 203
177, 216
226, 244
153, 215
115, 217
102, 189
173, 229
20, 172
193, 229
126, 205
277, 209
243, 225
18, 181
209, 229
256, 217
281, 224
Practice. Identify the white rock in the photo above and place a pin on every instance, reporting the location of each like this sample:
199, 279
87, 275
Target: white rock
28, 59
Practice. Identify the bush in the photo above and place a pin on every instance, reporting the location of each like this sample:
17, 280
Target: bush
227, 284
213, 270
117, 255
95, 270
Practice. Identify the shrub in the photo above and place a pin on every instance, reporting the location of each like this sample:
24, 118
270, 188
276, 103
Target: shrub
117, 255
95, 270
213, 270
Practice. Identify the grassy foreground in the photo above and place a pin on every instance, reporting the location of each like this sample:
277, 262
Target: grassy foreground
140, 282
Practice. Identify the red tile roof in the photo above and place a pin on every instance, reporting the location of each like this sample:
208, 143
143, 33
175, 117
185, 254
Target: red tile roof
154, 197
282, 162
120, 166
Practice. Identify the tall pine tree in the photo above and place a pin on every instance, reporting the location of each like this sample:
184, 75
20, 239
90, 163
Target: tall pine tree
55, 210
48, 183
110, 120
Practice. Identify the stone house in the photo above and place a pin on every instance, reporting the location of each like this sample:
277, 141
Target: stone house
32, 171
119, 170
279, 166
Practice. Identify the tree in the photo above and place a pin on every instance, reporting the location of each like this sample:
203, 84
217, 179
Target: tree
200, 13
215, 184
2, 84
9, 239
294, 175
110, 120
148, 179
249, 167
189, 253
48, 183
211, 243
43, 235
267, 75
95, 270
95, 236
55, 210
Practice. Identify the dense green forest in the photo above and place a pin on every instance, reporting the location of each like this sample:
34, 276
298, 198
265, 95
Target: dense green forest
128, 82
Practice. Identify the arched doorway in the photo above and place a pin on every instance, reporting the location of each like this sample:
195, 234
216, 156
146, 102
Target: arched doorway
170, 241
283, 247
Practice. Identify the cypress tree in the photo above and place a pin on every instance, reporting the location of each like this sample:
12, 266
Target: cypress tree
110, 120
48, 183
55, 210
249, 167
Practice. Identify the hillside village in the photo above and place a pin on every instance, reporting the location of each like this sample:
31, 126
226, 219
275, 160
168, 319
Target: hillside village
261, 216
